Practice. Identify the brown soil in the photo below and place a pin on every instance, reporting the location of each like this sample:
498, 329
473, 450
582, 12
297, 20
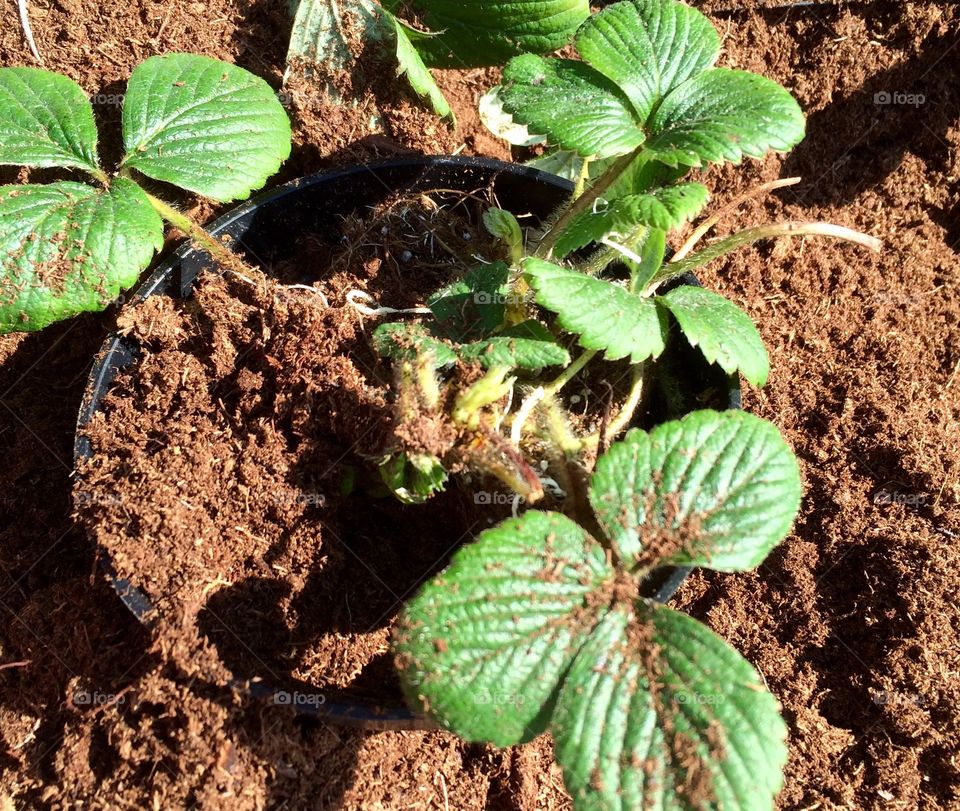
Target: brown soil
853, 621
218, 482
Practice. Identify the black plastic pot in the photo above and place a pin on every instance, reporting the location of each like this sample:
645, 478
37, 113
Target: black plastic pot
265, 228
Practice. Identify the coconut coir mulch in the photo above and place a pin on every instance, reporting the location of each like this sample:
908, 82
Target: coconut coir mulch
853, 621
233, 468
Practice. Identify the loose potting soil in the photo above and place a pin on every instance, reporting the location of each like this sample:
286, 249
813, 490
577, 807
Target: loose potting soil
853, 621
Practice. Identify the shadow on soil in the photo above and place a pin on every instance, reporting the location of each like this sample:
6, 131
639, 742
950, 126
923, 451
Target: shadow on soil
63, 634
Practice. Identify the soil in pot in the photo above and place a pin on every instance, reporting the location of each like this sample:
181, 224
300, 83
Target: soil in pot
232, 477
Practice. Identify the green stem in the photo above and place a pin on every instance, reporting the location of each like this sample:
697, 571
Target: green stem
194, 231
598, 261
582, 178
607, 255
585, 201
99, 175
558, 428
751, 235
487, 390
619, 423
569, 373
559, 466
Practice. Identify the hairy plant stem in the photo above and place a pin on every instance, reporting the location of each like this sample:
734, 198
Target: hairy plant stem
582, 178
557, 425
563, 450
751, 235
598, 261
219, 252
100, 176
523, 414
569, 373
734, 204
580, 204
490, 388
559, 465
601, 258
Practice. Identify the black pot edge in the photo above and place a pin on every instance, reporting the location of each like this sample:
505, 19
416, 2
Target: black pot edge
336, 706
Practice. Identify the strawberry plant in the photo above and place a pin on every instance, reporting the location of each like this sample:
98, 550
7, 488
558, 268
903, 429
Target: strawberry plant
541, 623
66, 246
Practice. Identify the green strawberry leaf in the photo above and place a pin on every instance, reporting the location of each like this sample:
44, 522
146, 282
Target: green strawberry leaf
45, 120
399, 341
647, 78
501, 123
474, 306
643, 175
504, 226
319, 37
413, 478
715, 489
560, 162
574, 106
652, 251
204, 125
489, 32
606, 219
483, 646
528, 345
665, 208
604, 315
724, 332
411, 65
67, 248
657, 711
722, 115
648, 47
